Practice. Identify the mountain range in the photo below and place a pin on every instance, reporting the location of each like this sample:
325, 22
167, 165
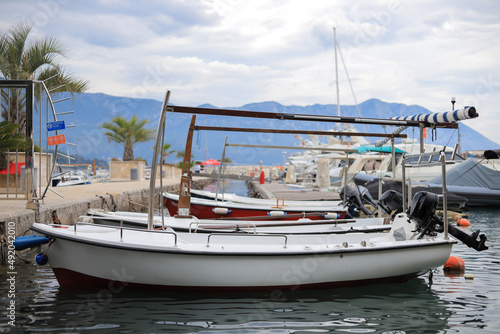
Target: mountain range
93, 109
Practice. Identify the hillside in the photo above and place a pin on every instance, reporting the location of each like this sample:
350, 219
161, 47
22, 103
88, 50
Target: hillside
92, 110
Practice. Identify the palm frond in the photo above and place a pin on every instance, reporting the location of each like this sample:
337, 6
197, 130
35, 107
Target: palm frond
10, 138
128, 133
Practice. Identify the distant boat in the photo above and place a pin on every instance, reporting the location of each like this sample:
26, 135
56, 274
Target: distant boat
70, 180
469, 183
474, 181
211, 209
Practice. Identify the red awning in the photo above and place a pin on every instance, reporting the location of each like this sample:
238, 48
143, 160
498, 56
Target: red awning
210, 162
12, 168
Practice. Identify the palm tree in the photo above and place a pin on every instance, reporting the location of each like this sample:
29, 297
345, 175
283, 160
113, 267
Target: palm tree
166, 152
35, 60
181, 154
128, 133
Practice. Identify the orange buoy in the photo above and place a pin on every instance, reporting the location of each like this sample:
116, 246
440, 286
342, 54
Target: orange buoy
454, 264
460, 221
463, 222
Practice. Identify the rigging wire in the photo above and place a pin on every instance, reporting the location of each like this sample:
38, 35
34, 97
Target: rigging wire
350, 85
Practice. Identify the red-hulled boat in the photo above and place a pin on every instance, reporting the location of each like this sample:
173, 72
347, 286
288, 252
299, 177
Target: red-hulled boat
211, 209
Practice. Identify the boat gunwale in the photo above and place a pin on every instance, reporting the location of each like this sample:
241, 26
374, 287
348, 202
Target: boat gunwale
308, 252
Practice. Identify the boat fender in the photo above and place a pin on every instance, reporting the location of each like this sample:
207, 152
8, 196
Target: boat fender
454, 264
41, 259
276, 213
331, 215
460, 221
221, 211
32, 240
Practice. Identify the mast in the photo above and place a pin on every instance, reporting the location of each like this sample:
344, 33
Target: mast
336, 71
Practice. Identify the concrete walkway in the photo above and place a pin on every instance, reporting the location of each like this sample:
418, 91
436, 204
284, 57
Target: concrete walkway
129, 196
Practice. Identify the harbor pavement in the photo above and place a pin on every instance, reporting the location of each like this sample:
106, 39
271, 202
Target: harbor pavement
126, 195
76, 200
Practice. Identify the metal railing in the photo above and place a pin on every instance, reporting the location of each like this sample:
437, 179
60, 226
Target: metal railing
122, 228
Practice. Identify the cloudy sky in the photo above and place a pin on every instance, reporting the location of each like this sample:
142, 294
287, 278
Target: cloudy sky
232, 52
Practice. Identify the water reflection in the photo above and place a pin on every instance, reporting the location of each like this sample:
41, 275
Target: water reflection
402, 307
443, 304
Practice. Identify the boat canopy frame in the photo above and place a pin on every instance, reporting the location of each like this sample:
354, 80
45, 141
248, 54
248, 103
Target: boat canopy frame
279, 116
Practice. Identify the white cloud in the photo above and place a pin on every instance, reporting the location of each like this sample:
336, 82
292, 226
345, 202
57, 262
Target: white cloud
232, 52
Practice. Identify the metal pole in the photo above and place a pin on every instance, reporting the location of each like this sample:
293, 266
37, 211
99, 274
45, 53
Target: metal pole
160, 196
29, 135
445, 195
421, 128
220, 173
152, 180
379, 195
453, 100
8, 152
393, 160
40, 143
403, 182
48, 160
346, 165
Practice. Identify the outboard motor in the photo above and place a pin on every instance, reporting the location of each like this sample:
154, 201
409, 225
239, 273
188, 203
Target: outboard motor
356, 197
422, 210
391, 201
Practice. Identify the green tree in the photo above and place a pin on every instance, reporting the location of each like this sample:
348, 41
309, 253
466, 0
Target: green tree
181, 154
128, 133
166, 152
21, 59
10, 139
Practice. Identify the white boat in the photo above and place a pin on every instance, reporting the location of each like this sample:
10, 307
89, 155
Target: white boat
193, 224
70, 180
97, 256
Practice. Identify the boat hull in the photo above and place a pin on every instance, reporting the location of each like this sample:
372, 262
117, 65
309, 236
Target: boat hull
81, 263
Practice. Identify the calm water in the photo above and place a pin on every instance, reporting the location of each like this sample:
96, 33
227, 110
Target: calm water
441, 305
